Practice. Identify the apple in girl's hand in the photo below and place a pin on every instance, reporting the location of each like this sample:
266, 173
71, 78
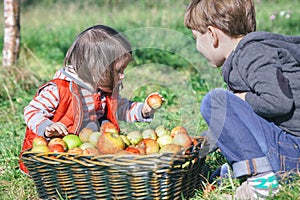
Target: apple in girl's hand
58, 141
56, 148
178, 129
72, 141
184, 140
109, 127
75, 150
149, 133
39, 140
40, 148
154, 100
85, 134
134, 137
109, 143
93, 139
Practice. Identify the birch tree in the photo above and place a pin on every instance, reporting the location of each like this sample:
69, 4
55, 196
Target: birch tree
11, 43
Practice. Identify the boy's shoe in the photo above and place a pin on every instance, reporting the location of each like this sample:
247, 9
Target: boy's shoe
258, 187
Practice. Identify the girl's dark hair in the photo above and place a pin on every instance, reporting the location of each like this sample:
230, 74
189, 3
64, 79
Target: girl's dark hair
95, 53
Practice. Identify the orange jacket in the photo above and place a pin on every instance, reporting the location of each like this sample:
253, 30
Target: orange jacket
69, 112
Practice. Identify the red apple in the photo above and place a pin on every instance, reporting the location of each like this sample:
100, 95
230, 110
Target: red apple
164, 140
134, 137
90, 151
149, 133
195, 141
178, 129
133, 150
109, 127
109, 143
75, 150
85, 134
72, 141
56, 148
150, 145
170, 148
39, 140
183, 140
162, 130
93, 139
154, 100
40, 148
58, 141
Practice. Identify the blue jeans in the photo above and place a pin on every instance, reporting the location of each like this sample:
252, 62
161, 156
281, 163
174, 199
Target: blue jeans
250, 143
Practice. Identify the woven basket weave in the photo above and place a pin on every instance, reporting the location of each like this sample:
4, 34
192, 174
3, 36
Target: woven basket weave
155, 176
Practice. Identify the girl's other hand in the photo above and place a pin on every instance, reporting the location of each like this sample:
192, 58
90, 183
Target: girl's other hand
56, 129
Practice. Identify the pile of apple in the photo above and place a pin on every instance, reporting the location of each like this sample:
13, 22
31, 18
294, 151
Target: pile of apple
158, 140
108, 140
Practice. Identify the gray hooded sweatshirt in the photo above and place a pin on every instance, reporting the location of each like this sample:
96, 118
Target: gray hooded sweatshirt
267, 67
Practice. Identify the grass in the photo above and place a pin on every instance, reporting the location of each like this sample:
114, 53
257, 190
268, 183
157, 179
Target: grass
165, 59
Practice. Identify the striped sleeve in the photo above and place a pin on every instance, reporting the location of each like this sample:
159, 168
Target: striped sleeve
41, 108
131, 111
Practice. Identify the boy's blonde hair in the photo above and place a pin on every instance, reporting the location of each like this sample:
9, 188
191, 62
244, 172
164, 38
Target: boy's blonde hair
234, 17
95, 53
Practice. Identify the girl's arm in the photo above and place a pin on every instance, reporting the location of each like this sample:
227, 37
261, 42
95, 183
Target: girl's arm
132, 111
41, 108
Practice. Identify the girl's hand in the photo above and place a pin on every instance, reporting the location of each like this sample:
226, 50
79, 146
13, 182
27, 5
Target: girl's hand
147, 111
56, 129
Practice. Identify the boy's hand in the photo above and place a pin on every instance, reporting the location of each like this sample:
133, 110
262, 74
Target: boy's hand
147, 111
242, 95
56, 129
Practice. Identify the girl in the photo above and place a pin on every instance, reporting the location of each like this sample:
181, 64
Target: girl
85, 92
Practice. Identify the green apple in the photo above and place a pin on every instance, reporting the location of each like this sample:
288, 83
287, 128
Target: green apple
164, 140
162, 130
125, 140
72, 141
40, 148
86, 145
134, 137
149, 133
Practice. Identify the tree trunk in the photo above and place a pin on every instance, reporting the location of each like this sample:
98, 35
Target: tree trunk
11, 43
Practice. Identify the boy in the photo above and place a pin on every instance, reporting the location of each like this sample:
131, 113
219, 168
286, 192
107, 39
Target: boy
255, 122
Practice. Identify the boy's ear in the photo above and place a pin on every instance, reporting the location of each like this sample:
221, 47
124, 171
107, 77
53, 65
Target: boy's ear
214, 37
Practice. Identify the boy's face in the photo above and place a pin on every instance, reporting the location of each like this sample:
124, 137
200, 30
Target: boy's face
205, 45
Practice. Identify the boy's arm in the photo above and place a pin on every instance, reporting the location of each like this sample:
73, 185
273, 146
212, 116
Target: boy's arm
270, 94
41, 108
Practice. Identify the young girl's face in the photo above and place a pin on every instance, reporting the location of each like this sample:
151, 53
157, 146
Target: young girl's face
118, 76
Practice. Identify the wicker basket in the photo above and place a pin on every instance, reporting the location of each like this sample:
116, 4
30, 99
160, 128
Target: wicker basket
156, 176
